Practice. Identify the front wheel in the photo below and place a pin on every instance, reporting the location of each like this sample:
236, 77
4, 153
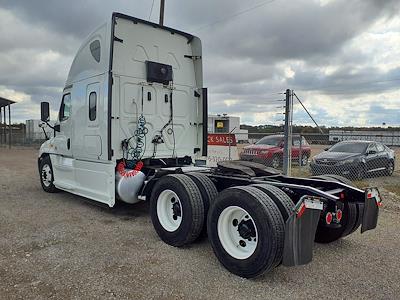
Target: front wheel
360, 172
304, 159
46, 175
246, 231
276, 162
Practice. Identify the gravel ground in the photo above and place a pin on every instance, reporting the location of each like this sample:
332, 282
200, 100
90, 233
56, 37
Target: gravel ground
63, 247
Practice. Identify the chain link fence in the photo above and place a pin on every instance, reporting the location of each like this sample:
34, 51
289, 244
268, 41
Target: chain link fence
19, 138
356, 156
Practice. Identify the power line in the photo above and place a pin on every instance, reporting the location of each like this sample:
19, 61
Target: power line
234, 15
151, 10
308, 113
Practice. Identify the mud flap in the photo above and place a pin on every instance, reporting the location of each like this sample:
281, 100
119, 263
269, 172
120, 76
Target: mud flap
371, 209
300, 231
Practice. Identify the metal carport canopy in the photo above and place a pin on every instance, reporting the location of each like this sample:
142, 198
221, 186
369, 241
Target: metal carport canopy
3, 104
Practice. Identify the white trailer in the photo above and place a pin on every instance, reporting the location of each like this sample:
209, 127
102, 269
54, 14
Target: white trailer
133, 118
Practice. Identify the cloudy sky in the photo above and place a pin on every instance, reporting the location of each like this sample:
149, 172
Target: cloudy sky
341, 57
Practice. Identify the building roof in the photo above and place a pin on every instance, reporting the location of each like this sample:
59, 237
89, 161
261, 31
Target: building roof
5, 102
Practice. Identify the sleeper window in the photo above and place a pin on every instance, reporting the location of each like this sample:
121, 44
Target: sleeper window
92, 106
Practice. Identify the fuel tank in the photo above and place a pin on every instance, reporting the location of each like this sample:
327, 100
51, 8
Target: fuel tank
128, 184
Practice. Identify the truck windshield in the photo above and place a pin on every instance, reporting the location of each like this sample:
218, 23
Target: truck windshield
270, 140
349, 147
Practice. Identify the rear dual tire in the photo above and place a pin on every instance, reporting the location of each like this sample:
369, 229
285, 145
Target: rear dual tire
177, 209
246, 230
351, 218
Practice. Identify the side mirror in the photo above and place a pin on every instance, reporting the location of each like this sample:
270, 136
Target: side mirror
57, 127
370, 152
327, 148
45, 111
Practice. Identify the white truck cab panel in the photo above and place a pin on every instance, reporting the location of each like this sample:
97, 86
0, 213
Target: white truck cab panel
108, 96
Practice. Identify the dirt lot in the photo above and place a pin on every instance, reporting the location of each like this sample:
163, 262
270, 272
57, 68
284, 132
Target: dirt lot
62, 246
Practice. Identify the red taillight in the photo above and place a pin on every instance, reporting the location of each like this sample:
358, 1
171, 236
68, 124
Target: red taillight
328, 218
339, 214
341, 196
369, 195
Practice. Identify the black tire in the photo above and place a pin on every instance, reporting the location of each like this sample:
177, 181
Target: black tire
280, 198
46, 170
340, 179
360, 213
358, 210
360, 172
208, 193
325, 234
269, 225
276, 161
191, 206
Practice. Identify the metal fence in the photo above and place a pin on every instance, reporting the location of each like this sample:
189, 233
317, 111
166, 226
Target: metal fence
20, 138
354, 156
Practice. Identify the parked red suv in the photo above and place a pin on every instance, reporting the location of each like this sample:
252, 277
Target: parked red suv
269, 151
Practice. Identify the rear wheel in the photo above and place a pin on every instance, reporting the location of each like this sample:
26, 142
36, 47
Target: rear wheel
359, 208
280, 198
246, 231
327, 234
208, 193
389, 168
177, 209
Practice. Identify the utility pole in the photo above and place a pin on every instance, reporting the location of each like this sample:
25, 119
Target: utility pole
288, 136
162, 4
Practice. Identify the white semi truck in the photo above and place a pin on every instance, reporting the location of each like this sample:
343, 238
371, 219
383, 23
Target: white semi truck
133, 119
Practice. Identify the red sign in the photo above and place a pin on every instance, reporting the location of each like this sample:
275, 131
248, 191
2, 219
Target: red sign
221, 139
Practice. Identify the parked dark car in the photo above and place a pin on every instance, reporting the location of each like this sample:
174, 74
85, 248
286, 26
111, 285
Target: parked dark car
269, 151
354, 159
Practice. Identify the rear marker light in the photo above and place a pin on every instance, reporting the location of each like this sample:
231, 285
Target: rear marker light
328, 218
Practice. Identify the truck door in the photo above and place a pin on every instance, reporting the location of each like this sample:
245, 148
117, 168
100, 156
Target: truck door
90, 128
62, 140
